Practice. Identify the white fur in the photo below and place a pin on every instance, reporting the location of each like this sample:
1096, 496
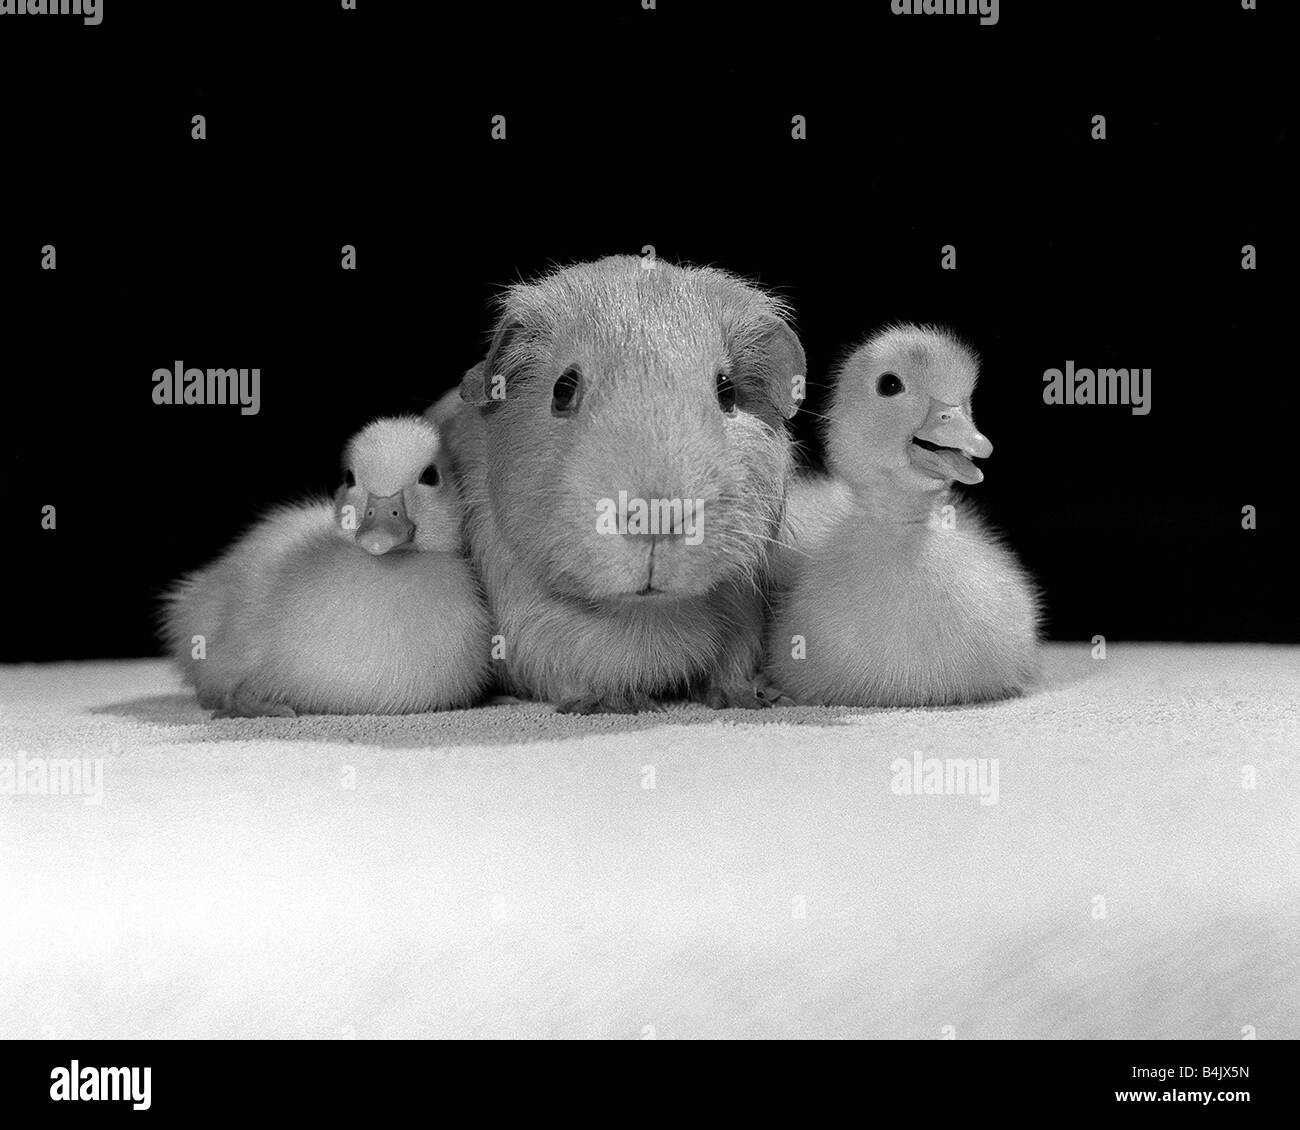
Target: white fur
389, 454
888, 604
296, 617
649, 345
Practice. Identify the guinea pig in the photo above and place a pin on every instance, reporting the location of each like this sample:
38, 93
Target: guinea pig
623, 455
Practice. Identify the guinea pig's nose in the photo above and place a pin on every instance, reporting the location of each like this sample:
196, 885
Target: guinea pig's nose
660, 516
675, 532
654, 526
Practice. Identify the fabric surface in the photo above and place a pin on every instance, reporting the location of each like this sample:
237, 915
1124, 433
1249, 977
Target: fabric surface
507, 871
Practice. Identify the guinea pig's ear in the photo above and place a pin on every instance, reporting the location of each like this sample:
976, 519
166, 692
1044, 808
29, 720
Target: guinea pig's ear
472, 388
486, 383
785, 366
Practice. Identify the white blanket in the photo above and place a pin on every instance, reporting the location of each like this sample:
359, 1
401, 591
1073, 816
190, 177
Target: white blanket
510, 872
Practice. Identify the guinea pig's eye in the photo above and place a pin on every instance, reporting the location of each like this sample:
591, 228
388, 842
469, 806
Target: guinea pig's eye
726, 394
349, 479
567, 394
889, 385
429, 476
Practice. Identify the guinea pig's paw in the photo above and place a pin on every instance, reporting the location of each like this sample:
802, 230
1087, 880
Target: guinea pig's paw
243, 704
771, 693
505, 700
753, 694
211, 700
631, 702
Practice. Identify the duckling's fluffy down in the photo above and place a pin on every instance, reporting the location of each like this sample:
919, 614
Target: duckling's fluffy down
294, 614
919, 615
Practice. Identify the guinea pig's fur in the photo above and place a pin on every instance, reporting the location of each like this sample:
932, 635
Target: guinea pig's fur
599, 620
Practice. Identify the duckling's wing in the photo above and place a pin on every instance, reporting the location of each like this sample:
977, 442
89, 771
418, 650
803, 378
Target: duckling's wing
815, 504
214, 621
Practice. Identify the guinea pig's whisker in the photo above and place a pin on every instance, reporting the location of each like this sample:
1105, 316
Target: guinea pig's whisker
785, 545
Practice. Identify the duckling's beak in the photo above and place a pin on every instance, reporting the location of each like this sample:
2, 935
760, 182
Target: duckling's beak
945, 444
384, 525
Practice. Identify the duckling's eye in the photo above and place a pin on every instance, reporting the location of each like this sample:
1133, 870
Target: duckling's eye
726, 394
429, 476
349, 479
889, 385
567, 394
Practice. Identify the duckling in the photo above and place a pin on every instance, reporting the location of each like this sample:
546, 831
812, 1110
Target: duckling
359, 605
900, 595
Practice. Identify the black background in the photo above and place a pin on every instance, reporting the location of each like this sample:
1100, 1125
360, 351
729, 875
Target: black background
627, 128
